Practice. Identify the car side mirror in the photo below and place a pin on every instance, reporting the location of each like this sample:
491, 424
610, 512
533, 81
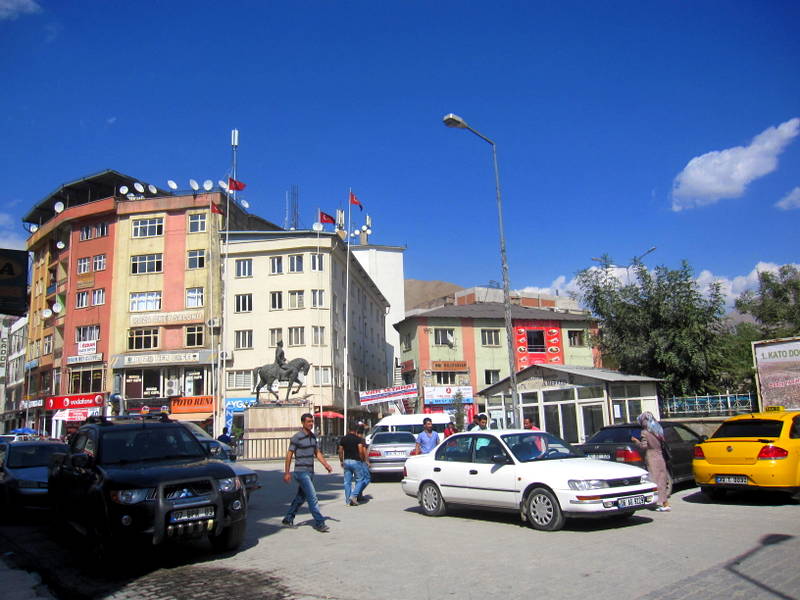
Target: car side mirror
501, 459
82, 460
703, 438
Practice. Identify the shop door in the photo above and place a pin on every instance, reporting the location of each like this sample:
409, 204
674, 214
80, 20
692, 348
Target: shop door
592, 419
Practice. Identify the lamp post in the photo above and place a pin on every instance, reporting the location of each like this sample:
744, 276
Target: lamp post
451, 120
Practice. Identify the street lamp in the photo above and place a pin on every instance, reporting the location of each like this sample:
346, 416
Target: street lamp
637, 260
451, 120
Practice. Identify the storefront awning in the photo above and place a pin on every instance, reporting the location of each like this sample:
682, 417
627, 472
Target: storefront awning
75, 414
196, 416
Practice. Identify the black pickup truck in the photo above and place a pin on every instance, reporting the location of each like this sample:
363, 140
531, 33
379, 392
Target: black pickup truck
150, 480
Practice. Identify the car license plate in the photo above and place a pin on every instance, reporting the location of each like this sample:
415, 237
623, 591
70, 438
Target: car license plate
395, 453
191, 514
740, 479
632, 501
600, 456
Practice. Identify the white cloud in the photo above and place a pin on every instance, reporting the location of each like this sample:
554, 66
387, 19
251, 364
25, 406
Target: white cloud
11, 9
790, 200
10, 237
726, 173
111, 120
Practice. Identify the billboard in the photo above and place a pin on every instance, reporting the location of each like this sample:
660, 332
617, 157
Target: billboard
445, 394
778, 372
392, 394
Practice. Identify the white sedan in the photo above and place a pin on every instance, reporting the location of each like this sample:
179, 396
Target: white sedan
533, 472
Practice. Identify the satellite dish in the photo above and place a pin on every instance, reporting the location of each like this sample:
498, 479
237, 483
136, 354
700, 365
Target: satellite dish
171, 184
60, 245
245, 203
123, 189
369, 231
194, 185
364, 228
222, 184
152, 189
47, 313
58, 207
34, 228
317, 227
58, 307
207, 185
138, 187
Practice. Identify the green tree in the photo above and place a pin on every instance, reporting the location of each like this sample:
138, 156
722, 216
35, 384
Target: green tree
736, 372
776, 303
659, 324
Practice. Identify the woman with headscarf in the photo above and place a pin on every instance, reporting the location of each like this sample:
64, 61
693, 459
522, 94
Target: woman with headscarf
651, 442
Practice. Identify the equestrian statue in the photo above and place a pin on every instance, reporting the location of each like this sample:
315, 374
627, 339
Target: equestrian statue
281, 370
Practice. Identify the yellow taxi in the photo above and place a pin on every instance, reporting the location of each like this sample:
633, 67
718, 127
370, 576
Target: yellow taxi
758, 451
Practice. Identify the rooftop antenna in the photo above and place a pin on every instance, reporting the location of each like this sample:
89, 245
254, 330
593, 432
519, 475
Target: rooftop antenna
194, 185
58, 207
123, 189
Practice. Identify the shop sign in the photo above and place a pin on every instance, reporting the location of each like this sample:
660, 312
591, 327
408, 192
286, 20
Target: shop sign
160, 358
192, 404
445, 394
75, 414
31, 364
26, 404
88, 347
391, 394
449, 365
166, 318
75, 401
407, 366
73, 360
238, 405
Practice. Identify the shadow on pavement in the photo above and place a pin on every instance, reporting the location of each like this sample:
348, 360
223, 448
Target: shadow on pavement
743, 498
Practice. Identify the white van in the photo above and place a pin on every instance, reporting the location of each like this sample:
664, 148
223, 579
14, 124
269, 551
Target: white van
412, 423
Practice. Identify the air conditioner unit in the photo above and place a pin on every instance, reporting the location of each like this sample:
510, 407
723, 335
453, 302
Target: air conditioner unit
213, 322
172, 388
226, 354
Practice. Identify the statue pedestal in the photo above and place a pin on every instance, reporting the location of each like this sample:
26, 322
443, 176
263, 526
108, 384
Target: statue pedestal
273, 420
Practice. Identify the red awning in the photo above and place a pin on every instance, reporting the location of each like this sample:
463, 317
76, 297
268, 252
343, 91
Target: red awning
329, 414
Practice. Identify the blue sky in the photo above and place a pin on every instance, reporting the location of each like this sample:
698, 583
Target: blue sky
619, 125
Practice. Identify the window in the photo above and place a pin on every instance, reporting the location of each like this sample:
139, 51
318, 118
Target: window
317, 298
146, 263
98, 297
297, 336
276, 300
197, 222
296, 299
406, 342
318, 336
47, 344
243, 303
83, 265
275, 336
536, 340
144, 301
490, 337
194, 335
491, 376
295, 263
81, 299
458, 449
317, 263
87, 333
276, 265
86, 232
83, 381
99, 262
196, 259
445, 377
143, 339
243, 339
101, 230
244, 267
322, 375
443, 337
194, 297
576, 338
240, 380
148, 227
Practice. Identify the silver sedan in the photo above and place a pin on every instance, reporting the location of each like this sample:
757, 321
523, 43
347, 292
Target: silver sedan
389, 450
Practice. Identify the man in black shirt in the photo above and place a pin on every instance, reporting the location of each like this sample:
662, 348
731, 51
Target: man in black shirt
351, 452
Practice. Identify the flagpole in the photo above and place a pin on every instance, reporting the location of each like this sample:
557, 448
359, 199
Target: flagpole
347, 310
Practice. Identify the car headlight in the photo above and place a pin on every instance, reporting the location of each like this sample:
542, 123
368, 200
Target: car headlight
130, 496
646, 478
229, 484
250, 479
587, 484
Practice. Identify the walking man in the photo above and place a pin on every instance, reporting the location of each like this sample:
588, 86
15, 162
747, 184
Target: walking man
367, 476
351, 450
303, 447
427, 439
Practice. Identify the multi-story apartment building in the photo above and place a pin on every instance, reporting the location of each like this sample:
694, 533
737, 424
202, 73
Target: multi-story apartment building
460, 349
12, 371
124, 286
291, 286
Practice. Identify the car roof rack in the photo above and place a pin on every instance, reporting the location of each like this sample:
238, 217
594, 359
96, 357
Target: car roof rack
161, 417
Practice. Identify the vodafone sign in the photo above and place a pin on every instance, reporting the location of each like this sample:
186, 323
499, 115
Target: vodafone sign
74, 401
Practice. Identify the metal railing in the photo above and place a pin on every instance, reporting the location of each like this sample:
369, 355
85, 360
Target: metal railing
706, 406
276, 448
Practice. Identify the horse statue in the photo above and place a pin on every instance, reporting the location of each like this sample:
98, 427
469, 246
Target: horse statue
267, 374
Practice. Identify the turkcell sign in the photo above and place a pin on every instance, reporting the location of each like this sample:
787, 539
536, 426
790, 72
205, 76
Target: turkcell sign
392, 394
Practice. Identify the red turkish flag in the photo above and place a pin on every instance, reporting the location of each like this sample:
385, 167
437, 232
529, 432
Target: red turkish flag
326, 218
216, 209
235, 186
354, 200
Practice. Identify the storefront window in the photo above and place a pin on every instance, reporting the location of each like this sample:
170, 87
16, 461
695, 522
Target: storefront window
558, 395
86, 380
589, 392
193, 385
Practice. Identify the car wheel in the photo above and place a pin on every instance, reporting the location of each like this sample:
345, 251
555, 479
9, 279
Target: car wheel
713, 493
431, 501
230, 538
543, 510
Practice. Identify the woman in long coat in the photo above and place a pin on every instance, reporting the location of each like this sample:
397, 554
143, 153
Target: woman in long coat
652, 439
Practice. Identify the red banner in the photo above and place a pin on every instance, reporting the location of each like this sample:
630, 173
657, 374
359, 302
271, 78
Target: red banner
75, 401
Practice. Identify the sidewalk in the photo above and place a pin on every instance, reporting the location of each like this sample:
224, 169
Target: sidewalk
19, 584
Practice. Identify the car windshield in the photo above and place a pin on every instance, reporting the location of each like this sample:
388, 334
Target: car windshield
749, 428
135, 444
538, 445
32, 455
394, 438
615, 435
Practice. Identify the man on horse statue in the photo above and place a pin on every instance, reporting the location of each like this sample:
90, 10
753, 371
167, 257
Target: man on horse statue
293, 372
280, 360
